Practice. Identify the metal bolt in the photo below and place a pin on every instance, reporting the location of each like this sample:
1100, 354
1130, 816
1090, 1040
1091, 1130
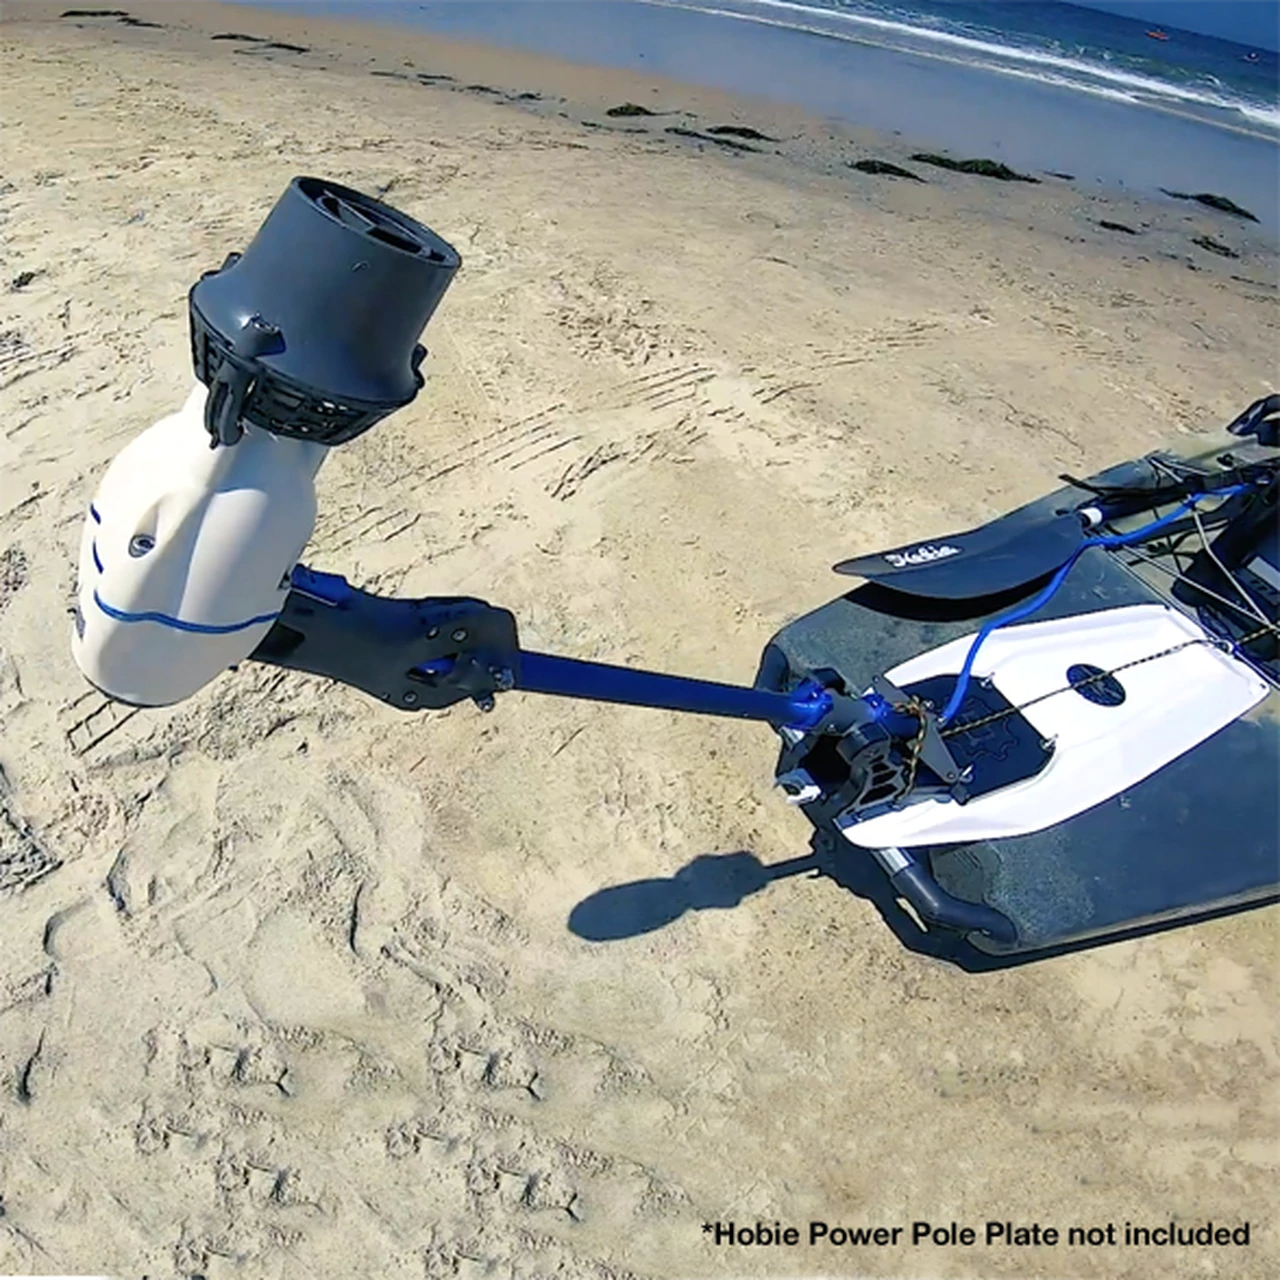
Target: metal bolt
409, 697
460, 635
485, 702
140, 544
432, 632
503, 677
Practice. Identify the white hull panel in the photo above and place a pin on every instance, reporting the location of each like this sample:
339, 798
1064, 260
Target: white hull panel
1171, 705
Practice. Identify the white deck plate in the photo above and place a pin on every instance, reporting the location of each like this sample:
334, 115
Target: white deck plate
1172, 704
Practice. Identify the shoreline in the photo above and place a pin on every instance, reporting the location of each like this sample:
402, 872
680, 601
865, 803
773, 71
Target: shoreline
915, 93
584, 94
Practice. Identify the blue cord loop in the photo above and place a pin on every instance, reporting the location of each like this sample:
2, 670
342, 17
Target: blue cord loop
1024, 610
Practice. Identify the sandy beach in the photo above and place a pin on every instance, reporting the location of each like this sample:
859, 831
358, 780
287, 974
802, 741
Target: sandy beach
287, 983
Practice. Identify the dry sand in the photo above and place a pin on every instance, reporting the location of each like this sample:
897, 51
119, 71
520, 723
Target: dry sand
286, 984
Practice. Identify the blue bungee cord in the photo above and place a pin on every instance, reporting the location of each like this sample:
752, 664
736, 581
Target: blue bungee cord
1024, 610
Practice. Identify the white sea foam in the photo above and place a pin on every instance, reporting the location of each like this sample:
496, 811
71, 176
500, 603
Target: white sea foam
1097, 78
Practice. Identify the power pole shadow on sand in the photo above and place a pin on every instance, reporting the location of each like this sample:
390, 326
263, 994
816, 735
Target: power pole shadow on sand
722, 881
712, 881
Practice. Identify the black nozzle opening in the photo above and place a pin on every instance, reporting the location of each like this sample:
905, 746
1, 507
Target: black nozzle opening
348, 285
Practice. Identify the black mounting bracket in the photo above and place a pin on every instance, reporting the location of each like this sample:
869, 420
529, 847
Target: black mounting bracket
417, 655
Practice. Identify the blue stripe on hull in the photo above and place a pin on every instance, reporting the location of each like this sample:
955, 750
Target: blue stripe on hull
177, 624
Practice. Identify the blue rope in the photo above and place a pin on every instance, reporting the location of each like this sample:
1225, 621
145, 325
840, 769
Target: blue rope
1023, 610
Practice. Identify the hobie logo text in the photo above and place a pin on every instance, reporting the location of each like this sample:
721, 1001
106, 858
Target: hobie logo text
920, 555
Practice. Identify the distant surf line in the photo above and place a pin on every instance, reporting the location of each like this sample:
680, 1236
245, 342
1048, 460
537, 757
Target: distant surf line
1134, 84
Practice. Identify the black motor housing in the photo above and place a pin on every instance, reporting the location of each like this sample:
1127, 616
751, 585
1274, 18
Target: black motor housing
313, 331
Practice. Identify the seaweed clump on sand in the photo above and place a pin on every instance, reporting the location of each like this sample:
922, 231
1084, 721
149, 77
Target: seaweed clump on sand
884, 169
982, 168
629, 109
1208, 199
682, 132
120, 15
1117, 226
1215, 246
740, 131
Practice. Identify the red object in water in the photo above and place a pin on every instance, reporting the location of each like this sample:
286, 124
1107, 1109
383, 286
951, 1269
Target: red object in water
1158, 35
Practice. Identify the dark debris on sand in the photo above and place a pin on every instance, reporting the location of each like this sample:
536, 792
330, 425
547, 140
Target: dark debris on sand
264, 43
681, 131
120, 15
1215, 246
629, 109
1212, 201
1066, 177
1117, 226
982, 168
740, 131
884, 169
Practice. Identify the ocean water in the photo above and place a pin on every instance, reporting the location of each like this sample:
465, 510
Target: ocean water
1068, 45
1038, 84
